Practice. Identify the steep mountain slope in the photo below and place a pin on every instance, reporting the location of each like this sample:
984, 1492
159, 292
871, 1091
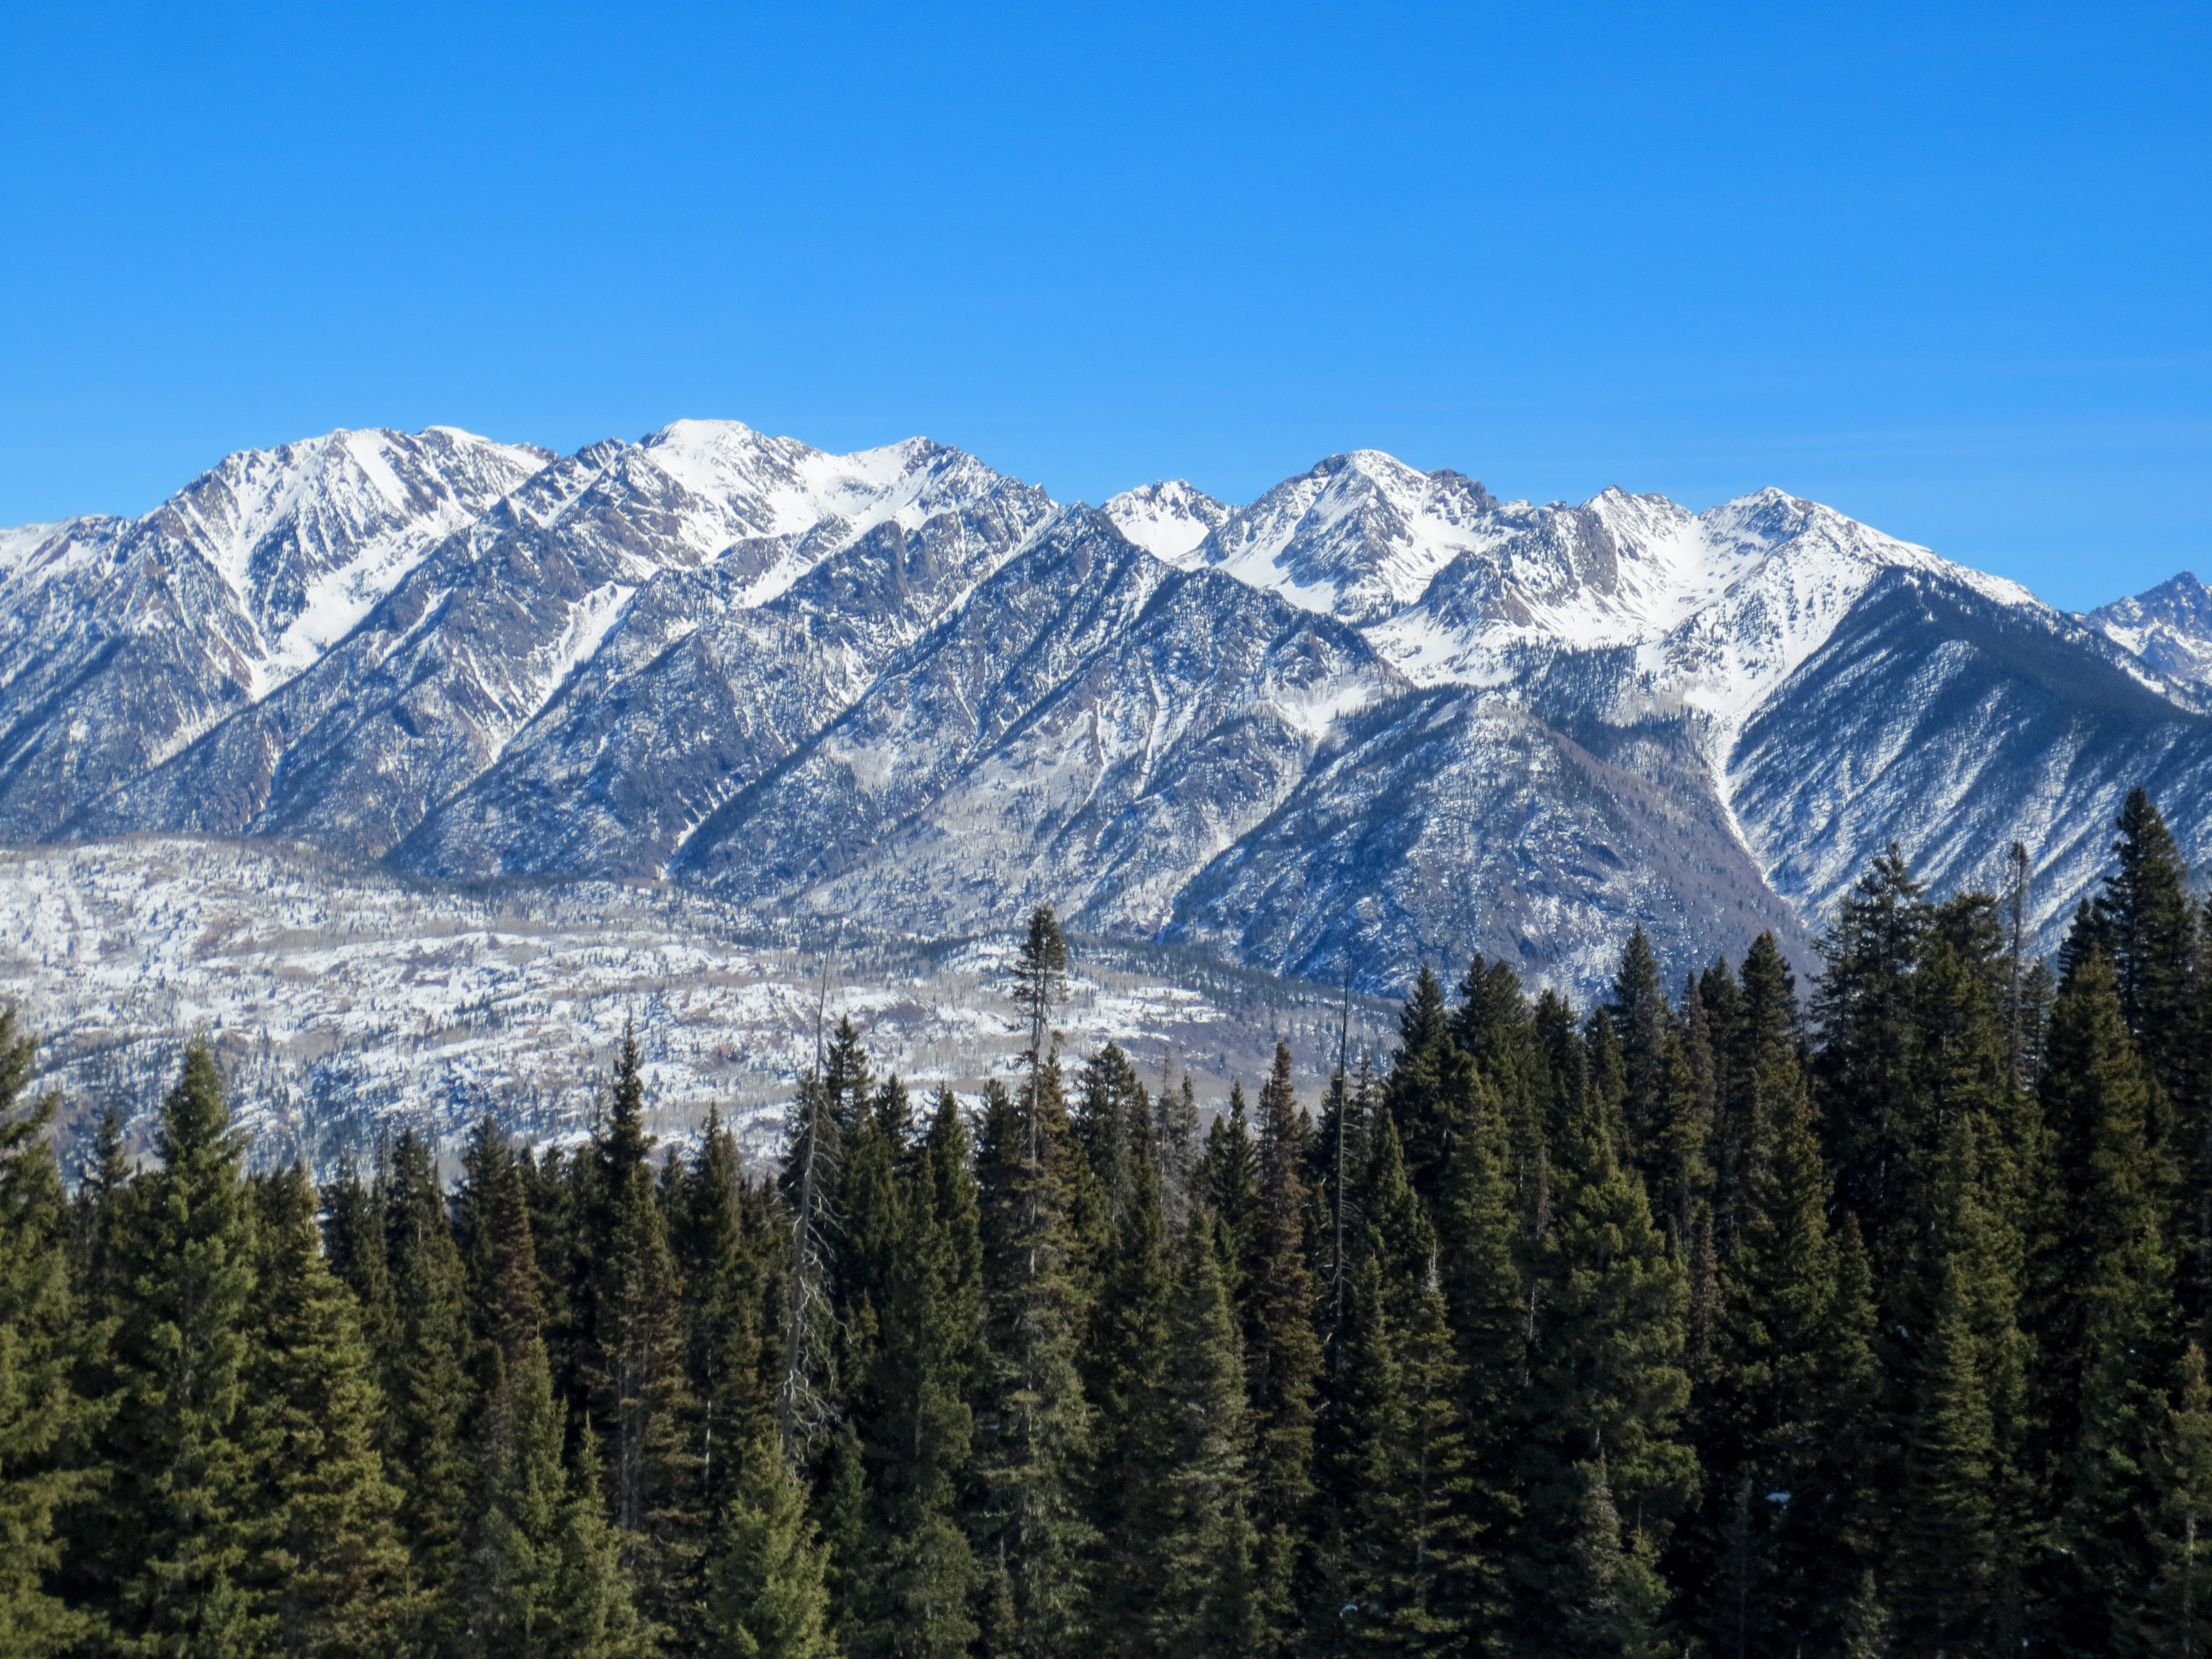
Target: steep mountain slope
2169, 627
1090, 727
425, 693
1170, 520
693, 694
1952, 724
1378, 716
1359, 535
1452, 821
121, 641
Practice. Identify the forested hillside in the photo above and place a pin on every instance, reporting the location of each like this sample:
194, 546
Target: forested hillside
1710, 1319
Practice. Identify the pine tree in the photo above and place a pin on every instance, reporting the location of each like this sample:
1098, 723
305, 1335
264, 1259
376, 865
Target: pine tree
1863, 1073
1408, 1560
357, 1243
1035, 1427
429, 1396
1949, 1548
1613, 1602
1282, 1350
1792, 1370
2153, 921
724, 1304
44, 1421
770, 1598
98, 1220
1430, 1088
1642, 1020
1131, 1346
180, 1522
807, 1319
1958, 1529
1229, 1179
2112, 1339
904, 1574
328, 1562
1189, 1533
544, 1573
2176, 1619
1176, 1128
1606, 1389
635, 1367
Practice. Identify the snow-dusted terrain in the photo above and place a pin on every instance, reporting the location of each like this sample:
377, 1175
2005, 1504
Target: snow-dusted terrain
348, 1003
1374, 717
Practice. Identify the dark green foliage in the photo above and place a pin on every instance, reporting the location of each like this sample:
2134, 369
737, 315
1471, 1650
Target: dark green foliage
1685, 1327
44, 1421
769, 1599
181, 1523
1282, 1350
1035, 1429
429, 1396
328, 1561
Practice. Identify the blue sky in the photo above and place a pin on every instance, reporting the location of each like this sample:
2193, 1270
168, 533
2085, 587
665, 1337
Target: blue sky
1944, 267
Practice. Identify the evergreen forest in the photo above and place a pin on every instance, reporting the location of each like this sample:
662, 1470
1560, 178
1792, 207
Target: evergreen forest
1727, 1317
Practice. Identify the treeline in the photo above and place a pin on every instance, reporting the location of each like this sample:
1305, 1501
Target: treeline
1716, 1324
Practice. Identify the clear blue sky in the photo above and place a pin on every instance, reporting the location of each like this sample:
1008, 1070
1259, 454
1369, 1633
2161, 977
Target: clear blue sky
1943, 266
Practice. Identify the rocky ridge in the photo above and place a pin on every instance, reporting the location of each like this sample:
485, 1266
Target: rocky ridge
1377, 716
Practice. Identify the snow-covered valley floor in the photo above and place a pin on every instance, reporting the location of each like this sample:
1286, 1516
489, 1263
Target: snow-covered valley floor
345, 1001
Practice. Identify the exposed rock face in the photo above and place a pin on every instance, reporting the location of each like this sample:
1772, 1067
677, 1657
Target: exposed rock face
2169, 627
1376, 717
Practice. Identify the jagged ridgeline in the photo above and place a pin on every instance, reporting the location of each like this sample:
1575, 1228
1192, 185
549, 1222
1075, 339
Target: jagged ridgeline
1704, 1319
1374, 717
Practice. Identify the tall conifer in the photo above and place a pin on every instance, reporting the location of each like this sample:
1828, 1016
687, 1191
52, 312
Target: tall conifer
181, 1498
329, 1560
44, 1331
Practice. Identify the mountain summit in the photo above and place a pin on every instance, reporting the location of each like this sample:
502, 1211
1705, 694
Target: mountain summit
1377, 716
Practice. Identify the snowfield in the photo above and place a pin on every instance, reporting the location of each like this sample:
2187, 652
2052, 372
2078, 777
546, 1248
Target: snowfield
346, 1004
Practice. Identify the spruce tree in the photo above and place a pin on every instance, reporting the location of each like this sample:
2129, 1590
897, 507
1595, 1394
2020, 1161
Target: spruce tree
1175, 1132
2151, 920
544, 1573
1189, 1535
770, 1598
97, 1218
1429, 1084
357, 1243
2175, 1617
1959, 1530
1282, 1350
2112, 1341
1229, 1178
1411, 1514
429, 1396
43, 1329
725, 1301
180, 1525
328, 1562
1792, 1371
635, 1367
1035, 1426
1131, 1346
1606, 1389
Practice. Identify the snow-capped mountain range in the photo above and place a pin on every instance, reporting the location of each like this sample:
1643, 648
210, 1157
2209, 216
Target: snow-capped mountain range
1375, 717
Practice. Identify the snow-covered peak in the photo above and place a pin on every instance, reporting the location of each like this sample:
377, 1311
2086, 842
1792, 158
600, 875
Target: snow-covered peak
2169, 627
359, 506
1360, 535
1168, 519
307, 537
32, 554
1721, 606
738, 484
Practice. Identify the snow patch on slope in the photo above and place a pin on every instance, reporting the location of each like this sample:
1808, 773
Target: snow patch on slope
1170, 519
